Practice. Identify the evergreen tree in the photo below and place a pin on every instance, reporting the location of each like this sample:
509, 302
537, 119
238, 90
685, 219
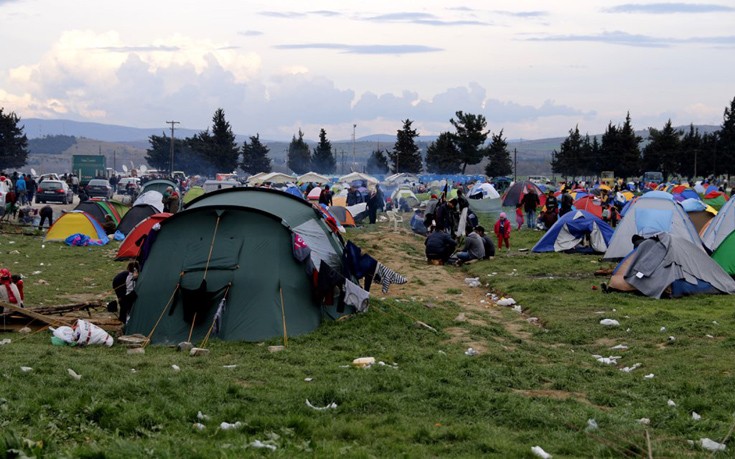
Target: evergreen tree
662, 151
500, 163
377, 163
255, 156
619, 151
13, 142
299, 158
406, 156
158, 155
691, 145
470, 137
707, 162
568, 160
323, 160
218, 151
725, 161
442, 155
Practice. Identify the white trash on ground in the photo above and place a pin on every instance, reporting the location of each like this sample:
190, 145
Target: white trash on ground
470, 351
644, 421
86, 333
506, 302
472, 281
176, 368
229, 426
26, 369
612, 360
199, 426
591, 425
631, 368
5, 341
649, 376
331, 406
539, 451
202, 417
73, 374
260, 444
363, 362
610, 323
620, 347
696, 416
671, 403
711, 445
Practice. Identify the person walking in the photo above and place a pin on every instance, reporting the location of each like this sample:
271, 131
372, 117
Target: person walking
502, 231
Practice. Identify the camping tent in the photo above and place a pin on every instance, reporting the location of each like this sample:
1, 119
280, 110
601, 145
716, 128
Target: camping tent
136, 215
576, 231
152, 198
130, 247
312, 177
404, 199
699, 213
670, 262
99, 209
161, 185
76, 222
720, 227
314, 193
652, 213
716, 199
232, 254
349, 178
514, 194
484, 198
272, 177
589, 203
342, 215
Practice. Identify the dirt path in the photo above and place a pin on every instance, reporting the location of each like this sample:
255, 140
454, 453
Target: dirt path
403, 252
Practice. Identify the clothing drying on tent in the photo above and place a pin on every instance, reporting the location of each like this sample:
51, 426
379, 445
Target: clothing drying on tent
671, 265
652, 213
136, 237
576, 231
76, 222
235, 259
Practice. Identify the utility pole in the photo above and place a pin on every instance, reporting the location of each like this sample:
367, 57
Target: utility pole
515, 165
172, 123
354, 126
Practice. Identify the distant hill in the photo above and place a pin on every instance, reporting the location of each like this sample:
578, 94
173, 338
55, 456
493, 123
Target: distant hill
123, 144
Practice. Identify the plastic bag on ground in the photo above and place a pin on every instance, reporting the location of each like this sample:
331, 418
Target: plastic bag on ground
472, 281
86, 333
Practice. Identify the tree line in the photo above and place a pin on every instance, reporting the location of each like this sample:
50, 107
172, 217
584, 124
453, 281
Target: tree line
674, 152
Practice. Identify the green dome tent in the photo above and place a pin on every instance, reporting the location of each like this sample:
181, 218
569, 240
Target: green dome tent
230, 255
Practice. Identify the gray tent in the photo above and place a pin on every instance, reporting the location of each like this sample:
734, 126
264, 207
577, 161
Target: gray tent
667, 261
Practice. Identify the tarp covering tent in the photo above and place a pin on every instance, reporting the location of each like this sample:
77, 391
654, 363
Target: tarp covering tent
133, 242
76, 222
99, 209
342, 215
576, 231
652, 213
514, 194
136, 215
152, 198
666, 263
234, 252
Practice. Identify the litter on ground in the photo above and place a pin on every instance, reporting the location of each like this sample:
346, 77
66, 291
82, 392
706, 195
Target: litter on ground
610, 322
711, 445
539, 451
331, 406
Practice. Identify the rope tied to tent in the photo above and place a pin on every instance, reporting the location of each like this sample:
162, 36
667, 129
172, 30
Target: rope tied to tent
170, 300
211, 246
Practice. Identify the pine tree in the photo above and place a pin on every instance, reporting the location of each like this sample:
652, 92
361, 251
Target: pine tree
442, 155
500, 163
323, 160
218, 151
377, 163
725, 161
619, 151
13, 142
299, 158
406, 156
567, 161
255, 156
470, 137
689, 156
662, 151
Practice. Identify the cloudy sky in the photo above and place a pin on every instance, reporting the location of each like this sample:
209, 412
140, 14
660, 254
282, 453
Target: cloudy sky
533, 68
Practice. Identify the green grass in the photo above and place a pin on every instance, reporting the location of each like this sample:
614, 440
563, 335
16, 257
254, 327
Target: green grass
531, 385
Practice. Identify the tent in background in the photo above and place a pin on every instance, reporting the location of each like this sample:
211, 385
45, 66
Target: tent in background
342, 215
133, 242
152, 198
652, 213
99, 210
517, 190
576, 231
136, 215
312, 177
720, 227
76, 222
484, 198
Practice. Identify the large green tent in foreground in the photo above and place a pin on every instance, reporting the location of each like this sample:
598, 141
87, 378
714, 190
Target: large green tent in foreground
234, 244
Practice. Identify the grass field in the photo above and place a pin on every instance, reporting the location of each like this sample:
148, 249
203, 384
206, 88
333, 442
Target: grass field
534, 380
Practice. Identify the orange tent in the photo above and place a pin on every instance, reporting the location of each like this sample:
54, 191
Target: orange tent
133, 242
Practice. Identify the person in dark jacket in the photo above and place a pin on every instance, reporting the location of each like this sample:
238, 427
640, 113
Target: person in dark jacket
439, 246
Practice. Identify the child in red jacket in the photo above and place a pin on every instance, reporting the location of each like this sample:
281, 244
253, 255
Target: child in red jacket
502, 231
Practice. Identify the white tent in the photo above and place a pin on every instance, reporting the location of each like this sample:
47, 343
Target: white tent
312, 177
273, 177
152, 198
358, 176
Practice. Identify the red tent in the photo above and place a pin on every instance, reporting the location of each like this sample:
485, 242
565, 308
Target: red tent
515, 193
130, 247
591, 204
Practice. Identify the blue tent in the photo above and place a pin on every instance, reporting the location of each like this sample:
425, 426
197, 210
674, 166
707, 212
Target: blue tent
576, 231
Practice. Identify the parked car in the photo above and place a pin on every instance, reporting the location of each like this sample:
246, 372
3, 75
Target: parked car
99, 188
54, 191
122, 185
